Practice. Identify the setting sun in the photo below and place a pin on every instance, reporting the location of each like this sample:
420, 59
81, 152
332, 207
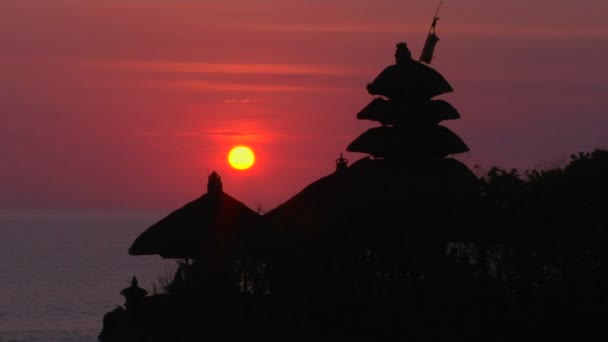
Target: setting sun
241, 157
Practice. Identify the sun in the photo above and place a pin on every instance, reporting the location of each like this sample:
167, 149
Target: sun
241, 157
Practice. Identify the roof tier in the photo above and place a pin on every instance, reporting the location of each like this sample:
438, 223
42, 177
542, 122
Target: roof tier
397, 112
411, 80
407, 142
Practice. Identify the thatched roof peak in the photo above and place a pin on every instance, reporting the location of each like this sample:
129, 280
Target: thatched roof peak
199, 228
214, 185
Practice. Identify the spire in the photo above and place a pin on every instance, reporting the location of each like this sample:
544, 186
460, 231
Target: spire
341, 163
214, 185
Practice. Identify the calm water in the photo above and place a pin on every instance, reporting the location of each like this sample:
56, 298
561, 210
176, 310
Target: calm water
60, 272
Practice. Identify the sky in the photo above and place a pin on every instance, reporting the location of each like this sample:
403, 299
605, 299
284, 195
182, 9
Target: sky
131, 104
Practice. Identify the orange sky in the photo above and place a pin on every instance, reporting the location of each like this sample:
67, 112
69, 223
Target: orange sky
131, 103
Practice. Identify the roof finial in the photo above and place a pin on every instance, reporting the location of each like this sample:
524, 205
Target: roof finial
214, 185
341, 163
403, 55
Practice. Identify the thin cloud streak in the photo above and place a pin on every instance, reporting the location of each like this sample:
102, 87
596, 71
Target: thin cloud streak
195, 133
230, 133
226, 68
249, 87
381, 28
345, 28
527, 32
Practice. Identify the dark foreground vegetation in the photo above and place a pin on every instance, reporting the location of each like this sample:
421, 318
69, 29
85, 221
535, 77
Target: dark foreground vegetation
526, 259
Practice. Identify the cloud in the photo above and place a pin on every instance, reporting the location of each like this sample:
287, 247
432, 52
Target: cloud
229, 133
194, 133
215, 86
226, 68
227, 77
345, 28
528, 31
200, 85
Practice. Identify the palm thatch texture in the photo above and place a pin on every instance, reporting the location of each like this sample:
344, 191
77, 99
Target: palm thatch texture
210, 227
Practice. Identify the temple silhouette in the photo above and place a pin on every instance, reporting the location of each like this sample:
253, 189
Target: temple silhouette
406, 243
410, 116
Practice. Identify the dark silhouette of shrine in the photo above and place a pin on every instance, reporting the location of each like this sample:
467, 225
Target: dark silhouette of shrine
404, 244
410, 116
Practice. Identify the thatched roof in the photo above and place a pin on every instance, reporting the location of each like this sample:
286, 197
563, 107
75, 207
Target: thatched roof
411, 80
209, 226
408, 142
378, 199
394, 112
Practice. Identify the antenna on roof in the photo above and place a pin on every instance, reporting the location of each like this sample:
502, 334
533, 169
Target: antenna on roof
431, 40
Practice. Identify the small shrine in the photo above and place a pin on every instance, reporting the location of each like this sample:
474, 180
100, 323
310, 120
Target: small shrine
134, 295
341, 164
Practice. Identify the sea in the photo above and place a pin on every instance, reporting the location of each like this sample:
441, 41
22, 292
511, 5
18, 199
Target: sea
61, 271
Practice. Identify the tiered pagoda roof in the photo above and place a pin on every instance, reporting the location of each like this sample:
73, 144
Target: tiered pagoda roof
408, 113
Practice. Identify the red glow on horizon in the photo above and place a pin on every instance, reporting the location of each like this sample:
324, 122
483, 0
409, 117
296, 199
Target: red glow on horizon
133, 103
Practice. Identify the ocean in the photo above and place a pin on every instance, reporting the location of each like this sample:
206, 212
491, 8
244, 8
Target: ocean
61, 271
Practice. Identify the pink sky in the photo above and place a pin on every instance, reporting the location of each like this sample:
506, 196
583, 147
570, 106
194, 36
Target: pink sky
130, 104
